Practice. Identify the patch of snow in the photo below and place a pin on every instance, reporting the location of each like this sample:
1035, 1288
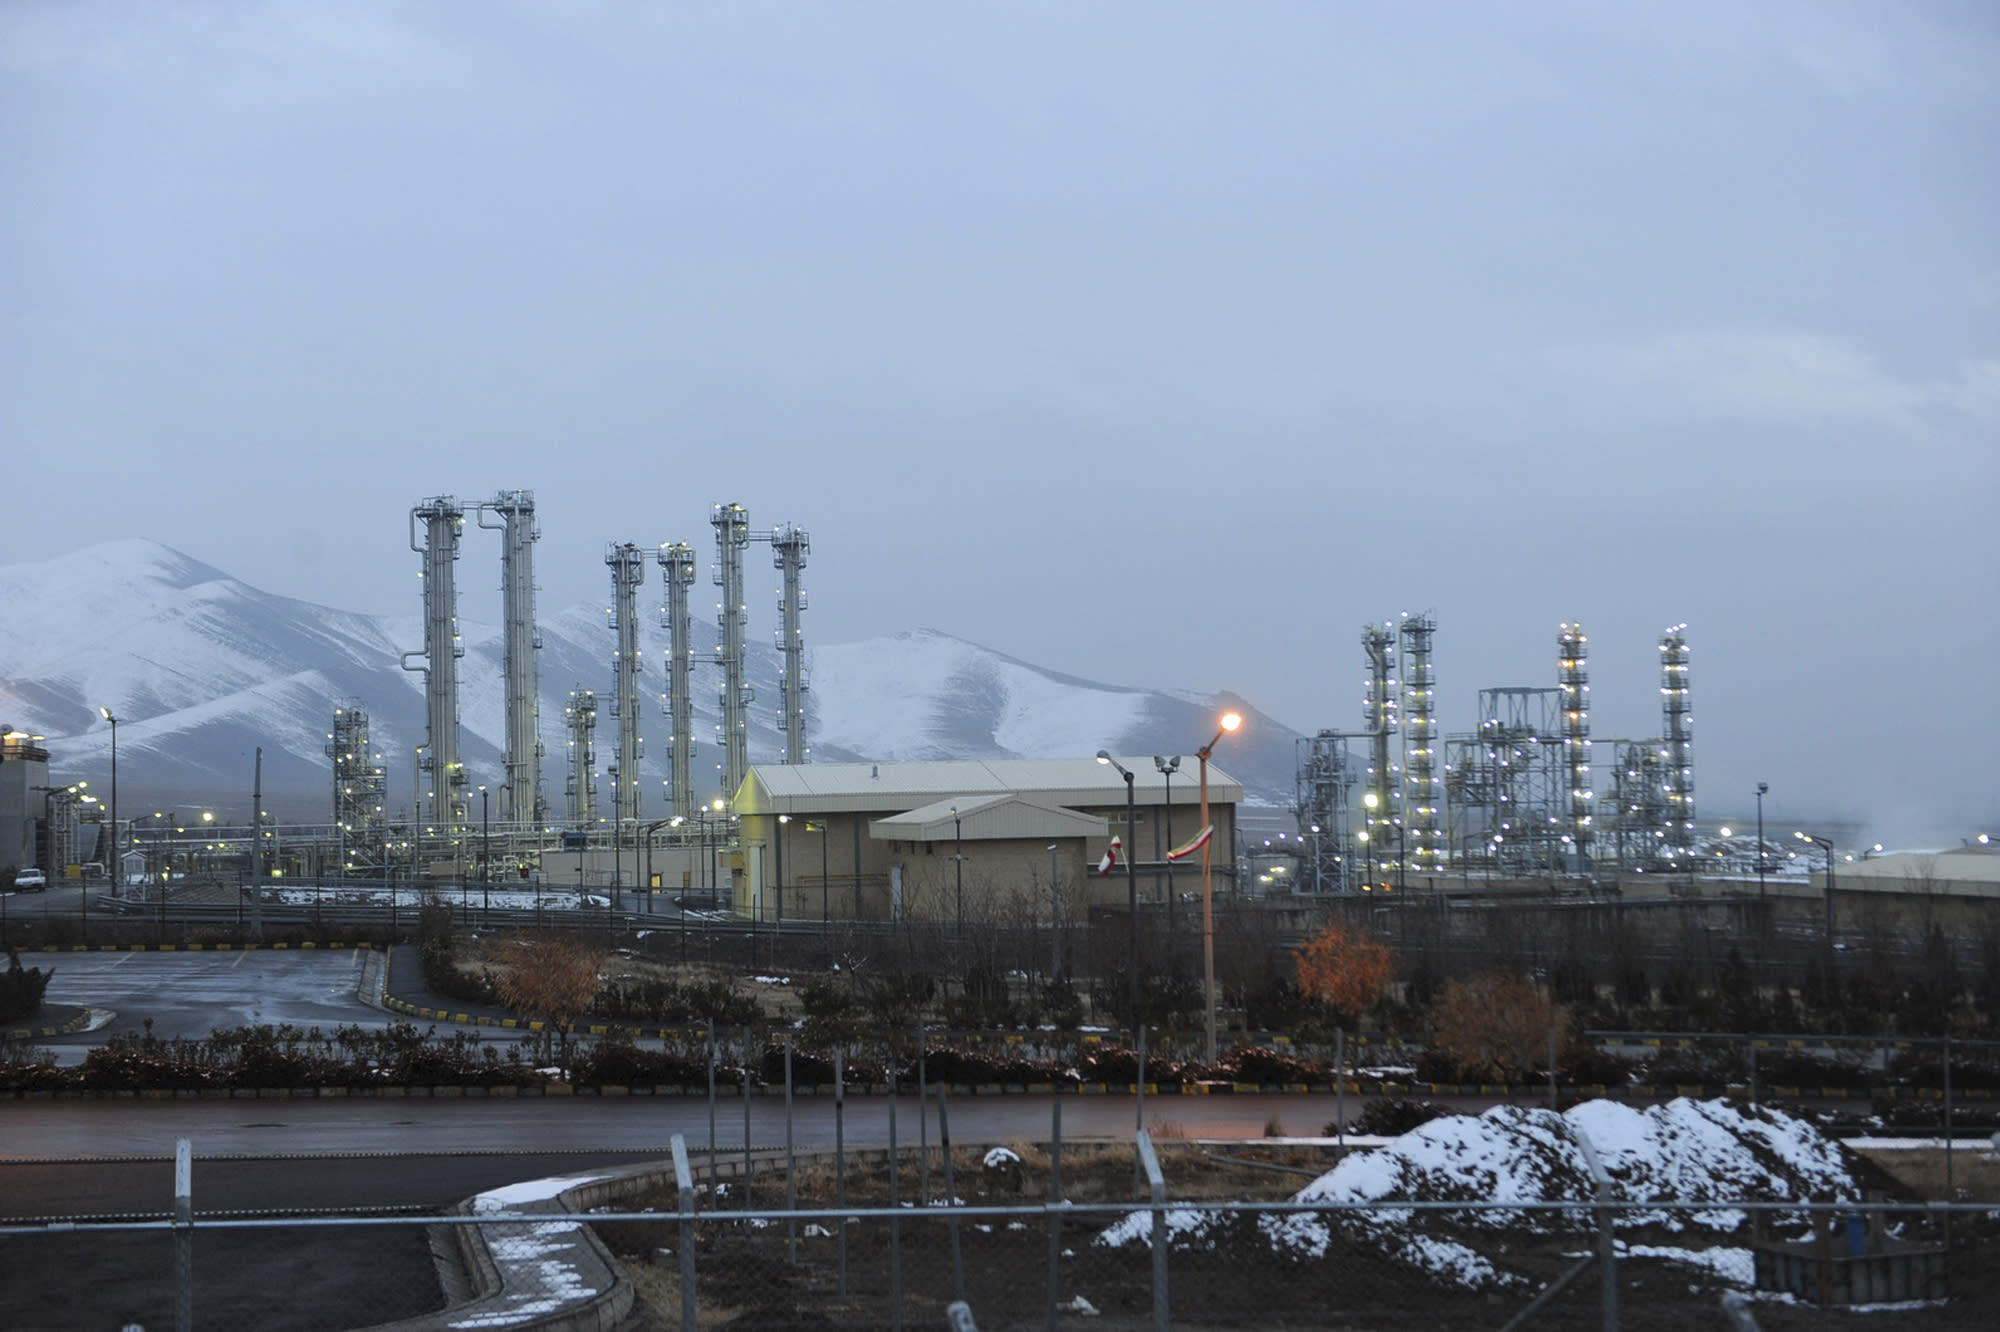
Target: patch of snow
512, 1196
1001, 1156
1681, 1153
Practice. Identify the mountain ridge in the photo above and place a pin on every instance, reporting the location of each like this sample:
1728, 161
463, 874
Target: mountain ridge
202, 669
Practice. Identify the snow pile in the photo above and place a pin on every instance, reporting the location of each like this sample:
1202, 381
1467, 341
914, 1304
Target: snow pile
1682, 1152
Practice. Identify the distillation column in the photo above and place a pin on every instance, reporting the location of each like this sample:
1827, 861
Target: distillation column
1420, 779
1573, 687
1678, 725
580, 718
443, 519
732, 536
360, 787
628, 570
521, 799
1381, 822
677, 572
789, 546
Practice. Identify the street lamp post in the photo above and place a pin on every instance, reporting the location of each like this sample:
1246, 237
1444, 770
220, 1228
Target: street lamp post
1825, 844
1131, 889
1055, 918
1230, 721
485, 857
825, 876
958, 868
1167, 767
778, 923
116, 867
1762, 787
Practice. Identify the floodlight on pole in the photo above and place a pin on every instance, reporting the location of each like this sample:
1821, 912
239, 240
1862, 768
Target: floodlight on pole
1167, 767
1824, 844
1762, 787
1228, 723
1131, 887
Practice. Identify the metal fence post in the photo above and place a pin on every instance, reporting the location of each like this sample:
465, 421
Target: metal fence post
840, 1157
715, 1179
791, 1166
1607, 1237
895, 1226
684, 1181
951, 1199
1156, 1186
746, 1121
1055, 1206
923, 1120
183, 1236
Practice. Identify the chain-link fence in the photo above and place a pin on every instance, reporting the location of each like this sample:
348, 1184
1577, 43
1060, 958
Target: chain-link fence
996, 1237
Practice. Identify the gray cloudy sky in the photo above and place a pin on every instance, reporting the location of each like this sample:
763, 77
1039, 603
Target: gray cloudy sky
1161, 344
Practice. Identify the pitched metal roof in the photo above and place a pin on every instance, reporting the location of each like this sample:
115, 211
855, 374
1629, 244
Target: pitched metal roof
1001, 817
864, 787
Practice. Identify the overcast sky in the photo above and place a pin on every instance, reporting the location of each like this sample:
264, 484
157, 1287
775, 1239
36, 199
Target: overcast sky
1160, 344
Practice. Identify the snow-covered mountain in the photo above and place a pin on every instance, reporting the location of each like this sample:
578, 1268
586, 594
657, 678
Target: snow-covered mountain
202, 670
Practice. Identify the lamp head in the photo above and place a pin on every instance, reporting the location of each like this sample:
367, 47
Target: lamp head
1104, 756
1231, 720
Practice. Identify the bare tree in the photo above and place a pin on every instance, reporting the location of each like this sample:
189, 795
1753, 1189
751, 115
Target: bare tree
553, 979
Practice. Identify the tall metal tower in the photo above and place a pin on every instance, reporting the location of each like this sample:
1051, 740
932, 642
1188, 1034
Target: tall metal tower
1381, 817
732, 535
360, 789
1677, 722
677, 572
521, 799
580, 718
1421, 788
1573, 685
628, 570
443, 519
789, 545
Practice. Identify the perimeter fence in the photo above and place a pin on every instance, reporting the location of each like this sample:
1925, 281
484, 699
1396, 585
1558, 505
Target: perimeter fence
857, 1244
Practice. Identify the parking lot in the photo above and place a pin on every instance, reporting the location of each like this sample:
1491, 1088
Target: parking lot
189, 994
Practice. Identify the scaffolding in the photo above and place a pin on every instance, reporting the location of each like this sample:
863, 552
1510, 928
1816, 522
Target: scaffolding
789, 546
628, 571
1381, 797
521, 797
442, 519
677, 572
580, 718
732, 536
1422, 791
360, 792
1573, 682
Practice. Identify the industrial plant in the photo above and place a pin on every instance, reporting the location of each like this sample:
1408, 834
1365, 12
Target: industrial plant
1529, 796
1514, 798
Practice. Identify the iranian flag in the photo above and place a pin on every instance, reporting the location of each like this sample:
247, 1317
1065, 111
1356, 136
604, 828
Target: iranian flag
1110, 861
1192, 844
